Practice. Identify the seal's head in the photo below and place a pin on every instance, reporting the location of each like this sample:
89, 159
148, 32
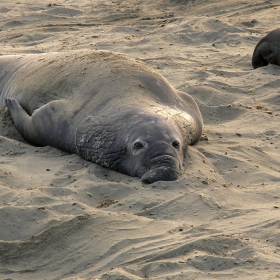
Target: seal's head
151, 148
154, 151
267, 50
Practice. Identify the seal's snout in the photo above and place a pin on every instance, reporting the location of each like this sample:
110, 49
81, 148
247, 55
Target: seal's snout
164, 167
160, 174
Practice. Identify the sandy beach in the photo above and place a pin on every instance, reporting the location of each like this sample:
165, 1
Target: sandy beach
62, 217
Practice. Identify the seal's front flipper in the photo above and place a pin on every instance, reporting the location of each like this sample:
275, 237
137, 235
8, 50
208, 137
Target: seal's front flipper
22, 121
48, 125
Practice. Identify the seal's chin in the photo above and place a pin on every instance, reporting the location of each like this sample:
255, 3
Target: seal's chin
160, 174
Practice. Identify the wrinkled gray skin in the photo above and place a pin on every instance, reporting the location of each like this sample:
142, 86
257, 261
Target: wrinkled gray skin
267, 50
106, 107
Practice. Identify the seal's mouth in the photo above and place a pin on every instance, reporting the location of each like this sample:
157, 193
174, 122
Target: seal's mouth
162, 168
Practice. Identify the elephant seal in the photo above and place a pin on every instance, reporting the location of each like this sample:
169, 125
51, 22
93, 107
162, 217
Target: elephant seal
267, 50
106, 107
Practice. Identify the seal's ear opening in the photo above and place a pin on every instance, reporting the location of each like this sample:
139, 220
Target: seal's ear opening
264, 53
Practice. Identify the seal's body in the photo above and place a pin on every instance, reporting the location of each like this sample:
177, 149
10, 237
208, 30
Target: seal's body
108, 108
267, 50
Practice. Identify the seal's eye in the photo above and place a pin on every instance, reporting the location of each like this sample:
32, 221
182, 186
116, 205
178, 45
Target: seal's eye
176, 144
138, 145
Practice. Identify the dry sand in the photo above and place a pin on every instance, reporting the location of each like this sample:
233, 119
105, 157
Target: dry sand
62, 217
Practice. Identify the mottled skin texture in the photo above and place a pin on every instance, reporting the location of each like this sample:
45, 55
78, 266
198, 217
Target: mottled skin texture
267, 50
108, 108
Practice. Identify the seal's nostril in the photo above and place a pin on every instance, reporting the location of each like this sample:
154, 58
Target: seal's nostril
146, 181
